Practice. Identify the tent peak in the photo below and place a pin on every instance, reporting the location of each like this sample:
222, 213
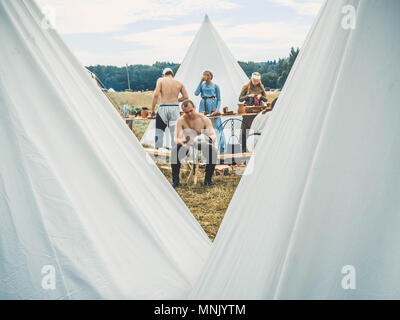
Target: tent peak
206, 18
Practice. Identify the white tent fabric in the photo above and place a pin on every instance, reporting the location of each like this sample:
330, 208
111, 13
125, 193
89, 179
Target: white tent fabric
256, 129
93, 77
111, 90
260, 121
78, 195
208, 51
148, 139
324, 192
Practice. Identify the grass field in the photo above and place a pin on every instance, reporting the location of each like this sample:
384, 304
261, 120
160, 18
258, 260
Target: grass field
138, 99
208, 205
139, 127
143, 99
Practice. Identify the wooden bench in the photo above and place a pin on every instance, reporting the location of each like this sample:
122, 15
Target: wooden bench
167, 154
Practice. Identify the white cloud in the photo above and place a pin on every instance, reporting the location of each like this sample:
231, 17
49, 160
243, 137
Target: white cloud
276, 34
168, 36
251, 41
88, 58
305, 7
99, 16
271, 40
142, 56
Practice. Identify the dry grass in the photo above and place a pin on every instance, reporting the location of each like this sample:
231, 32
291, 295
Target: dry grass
208, 205
272, 95
138, 99
139, 127
143, 99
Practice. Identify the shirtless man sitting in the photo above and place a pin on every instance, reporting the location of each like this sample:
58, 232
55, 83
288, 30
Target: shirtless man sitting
190, 126
168, 112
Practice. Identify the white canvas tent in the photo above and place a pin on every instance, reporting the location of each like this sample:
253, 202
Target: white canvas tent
95, 79
320, 211
257, 127
83, 213
208, 51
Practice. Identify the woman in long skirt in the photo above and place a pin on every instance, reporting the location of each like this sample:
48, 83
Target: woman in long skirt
210, 102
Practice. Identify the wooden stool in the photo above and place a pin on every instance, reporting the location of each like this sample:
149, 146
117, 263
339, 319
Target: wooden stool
194, 169
194, 165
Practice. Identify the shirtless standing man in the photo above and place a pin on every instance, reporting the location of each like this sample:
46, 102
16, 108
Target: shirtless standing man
190, 126
168, 112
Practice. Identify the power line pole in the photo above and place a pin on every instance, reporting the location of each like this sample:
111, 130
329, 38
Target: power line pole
127, 73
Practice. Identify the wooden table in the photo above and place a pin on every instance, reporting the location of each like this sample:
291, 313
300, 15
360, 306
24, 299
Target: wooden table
222, 158
131, 118
232, 115
231, 119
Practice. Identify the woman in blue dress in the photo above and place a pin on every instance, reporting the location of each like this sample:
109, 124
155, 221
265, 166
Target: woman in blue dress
210, 102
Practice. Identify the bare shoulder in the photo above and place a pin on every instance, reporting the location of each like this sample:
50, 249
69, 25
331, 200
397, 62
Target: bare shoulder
179, 122
180, 84
159, 81
206, 120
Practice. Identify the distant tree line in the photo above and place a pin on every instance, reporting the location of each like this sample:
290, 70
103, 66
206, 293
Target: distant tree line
273, 73
144, 77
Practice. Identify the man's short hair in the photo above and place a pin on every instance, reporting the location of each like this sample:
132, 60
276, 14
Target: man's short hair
186, 103
168, 71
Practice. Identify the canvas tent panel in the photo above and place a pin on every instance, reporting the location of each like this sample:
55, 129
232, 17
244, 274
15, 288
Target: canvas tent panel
328, 165
209, 52
76, 188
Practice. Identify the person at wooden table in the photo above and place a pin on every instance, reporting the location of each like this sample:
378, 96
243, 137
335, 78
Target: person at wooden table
191, 128
168, 89
252, 94
210, 103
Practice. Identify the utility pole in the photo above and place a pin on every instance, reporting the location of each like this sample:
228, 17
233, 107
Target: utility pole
127, 73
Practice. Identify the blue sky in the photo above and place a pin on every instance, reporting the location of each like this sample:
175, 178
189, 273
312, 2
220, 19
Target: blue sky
142, 32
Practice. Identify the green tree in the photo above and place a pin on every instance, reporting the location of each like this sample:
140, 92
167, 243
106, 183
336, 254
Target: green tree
269, 80
144, 77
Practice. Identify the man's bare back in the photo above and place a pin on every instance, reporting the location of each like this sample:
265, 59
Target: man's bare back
170, 89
